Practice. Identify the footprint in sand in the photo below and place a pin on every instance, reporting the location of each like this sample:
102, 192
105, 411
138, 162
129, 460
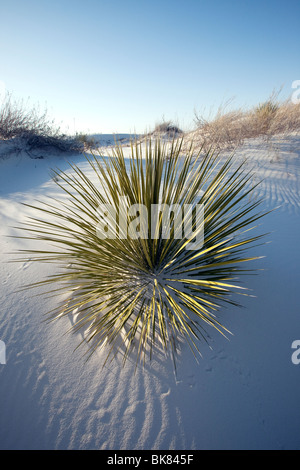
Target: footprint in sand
26, 264
5, 281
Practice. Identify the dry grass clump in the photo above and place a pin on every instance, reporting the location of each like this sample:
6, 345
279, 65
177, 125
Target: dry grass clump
228, 130
262, 117
286, 119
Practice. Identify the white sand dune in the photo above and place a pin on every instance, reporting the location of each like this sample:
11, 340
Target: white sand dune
243, 394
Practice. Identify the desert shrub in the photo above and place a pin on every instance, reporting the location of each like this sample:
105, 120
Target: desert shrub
135, 292
62, 142
32, 129
88, 141
16, 120
168, 128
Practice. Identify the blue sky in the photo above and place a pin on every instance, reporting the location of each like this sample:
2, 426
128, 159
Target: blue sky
123, 65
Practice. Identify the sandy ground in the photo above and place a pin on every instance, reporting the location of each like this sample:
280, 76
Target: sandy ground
243, 394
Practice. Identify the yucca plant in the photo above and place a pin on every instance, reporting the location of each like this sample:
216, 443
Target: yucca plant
137, 283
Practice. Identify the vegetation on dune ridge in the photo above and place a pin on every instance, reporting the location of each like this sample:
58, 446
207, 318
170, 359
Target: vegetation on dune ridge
138, 294
228, 130
166, 128
30, 129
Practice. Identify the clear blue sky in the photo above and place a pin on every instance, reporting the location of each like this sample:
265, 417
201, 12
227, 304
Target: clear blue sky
122, 65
